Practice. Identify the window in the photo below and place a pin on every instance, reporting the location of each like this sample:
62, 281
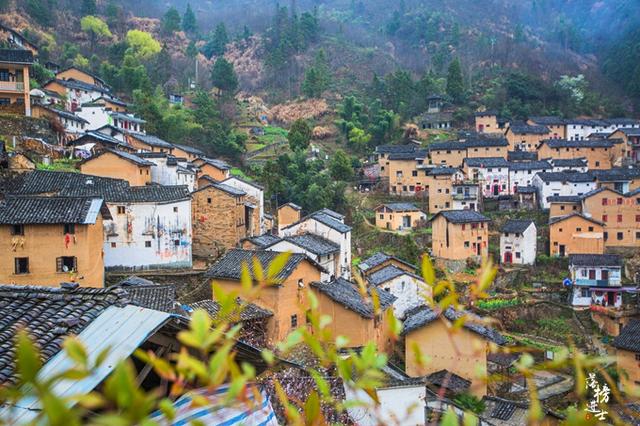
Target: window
585, 292
414, 173
113, 245
606, 236
561, 207
208, 200
560, 230
69, 228
517, 255
17, 230
637, 357
175, 210
638, 218
578, 229
591, 229
21, 265
147, 244
597, 162
176, 243
604, 201
294, 321
605, 218
381, 216
620, 236
121, 210
619, 200
466, 244
638, 235
619, 218
66, 264
464, 226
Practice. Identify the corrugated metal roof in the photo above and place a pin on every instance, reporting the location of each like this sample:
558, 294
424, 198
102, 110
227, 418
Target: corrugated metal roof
121, 329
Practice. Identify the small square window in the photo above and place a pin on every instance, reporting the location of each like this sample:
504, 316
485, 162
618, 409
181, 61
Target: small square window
70, 228
620, 236
208, 200
147, 243
466, 244
17, 230
21, 265
176, 242
121, 210
66, 264
294, 321
381, 216
113, 245
591, 229
175, 210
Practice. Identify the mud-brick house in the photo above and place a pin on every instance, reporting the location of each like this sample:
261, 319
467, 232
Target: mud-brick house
557, 126
170, 170
150, 226
620, 214
631, 138
402, 217
49, 240
627, 346
353, 316
525, 137
462, 352
460, 234
326, 253
406, 173
76, 92
148, 143
75, 73
487, 122
220, 218
118, 164
14, 80
287, 300
92, 143
188, 152
288, 214
214, 168
575, 234
600, 153
439, 183
382, 153
254, 200
329, 225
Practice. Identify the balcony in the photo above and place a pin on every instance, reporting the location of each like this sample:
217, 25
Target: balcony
596, 283
11, 86
465, 197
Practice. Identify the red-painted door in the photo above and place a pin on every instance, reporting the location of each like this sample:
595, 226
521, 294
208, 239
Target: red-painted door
508, 257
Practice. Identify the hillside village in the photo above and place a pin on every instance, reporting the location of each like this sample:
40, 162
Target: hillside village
138, 228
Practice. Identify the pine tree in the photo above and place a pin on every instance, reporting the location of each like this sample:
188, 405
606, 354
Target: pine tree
224, 77
455, 82
39, 10
89, 7
171, 21
218, 41
299, 135
189, 24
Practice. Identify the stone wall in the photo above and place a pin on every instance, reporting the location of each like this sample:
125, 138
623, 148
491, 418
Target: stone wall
19, 126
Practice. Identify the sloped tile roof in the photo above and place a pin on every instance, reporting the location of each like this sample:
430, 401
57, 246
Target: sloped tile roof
595, 260
564, 198
557, 219
617, 174
152, 140
522, 156
264, 240
629, 337
410, 155
216, 163
146, 293
314, 244
524, 129
348, 295
574, 177
443, 171
124, 155
424, 315
51, 210
516, 225
388, 273
379, 258
244, 312
462, 216
548, 121
586, 143
189, 149
526, 189
530, 165
22, 56
568, 162
486, 162
222, 187
389, 149
230, 265
49, 314
449, 381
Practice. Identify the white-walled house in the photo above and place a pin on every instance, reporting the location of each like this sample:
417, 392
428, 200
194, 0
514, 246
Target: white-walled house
554, 184
330, 225
255, 194
170, 170
98, 116
409, 289
326, 253
492, 173
151, 228
518, 242
569, 164
522, 173
596, 280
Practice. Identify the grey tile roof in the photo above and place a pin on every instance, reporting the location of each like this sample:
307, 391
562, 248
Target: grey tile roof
569, 162
389, 149
526, 189
569, 176
484, 162
95, 136
124, 155
445, 379
264, 240
189, 149
127, 117
79, 85
216, 163
222, 187
400, 207
424, 315
485, 113
50, 315
629, 337
524, 129
379, 258
135, 280
522, 156
617, 174
244, 311
472, 143
548, 121
412, 155
595, 260
348, 294
530, 165
152, 140
314, 244
516, 226
587, 143
462, 216
442, 171
69, 184
388, 273
331, 213
229, 266
630, 131
248, 182
564, 198
503, 359
292, 205
51, 210
22, 56
65, 114
329, 221
562, 218
160, 297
